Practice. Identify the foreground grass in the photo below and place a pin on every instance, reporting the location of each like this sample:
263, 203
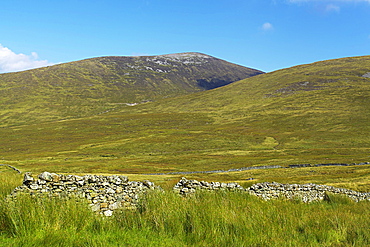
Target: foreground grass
166, 219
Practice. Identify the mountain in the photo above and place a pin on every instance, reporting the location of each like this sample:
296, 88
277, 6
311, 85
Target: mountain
97, 85
338, 86
316, 112
313, 113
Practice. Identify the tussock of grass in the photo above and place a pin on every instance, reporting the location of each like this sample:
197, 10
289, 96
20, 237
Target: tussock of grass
9, 179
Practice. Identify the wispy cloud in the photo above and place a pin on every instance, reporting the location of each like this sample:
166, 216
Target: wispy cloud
332, 8
267, 26
12, 62
328, 6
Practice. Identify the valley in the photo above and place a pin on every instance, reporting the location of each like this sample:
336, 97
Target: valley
315, 113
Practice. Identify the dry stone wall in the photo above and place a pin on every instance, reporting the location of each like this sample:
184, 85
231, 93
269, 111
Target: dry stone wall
185, 186
104, 193
107, 193
304, 192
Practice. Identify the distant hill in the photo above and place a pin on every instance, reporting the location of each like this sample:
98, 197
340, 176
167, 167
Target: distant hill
314, 110
313, 113
336, 86
97, 85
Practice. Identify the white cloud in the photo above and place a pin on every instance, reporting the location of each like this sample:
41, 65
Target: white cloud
267, 26
11, 62
332, 7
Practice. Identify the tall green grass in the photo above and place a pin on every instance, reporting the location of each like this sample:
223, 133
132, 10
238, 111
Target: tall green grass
204, 219
238, 219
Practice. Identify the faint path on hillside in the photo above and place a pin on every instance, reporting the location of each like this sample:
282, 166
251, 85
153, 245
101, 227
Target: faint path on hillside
259, 167
12, 167
237, 169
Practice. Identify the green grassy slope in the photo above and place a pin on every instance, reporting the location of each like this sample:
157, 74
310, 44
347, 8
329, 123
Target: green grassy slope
316, 113
99, 85
319, 110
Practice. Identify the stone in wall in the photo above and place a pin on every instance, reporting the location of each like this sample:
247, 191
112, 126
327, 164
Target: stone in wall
104, 193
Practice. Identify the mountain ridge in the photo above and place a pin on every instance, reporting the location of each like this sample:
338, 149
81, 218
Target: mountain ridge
101, 84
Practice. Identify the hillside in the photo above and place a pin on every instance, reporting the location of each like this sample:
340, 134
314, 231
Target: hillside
314, 113
99, 85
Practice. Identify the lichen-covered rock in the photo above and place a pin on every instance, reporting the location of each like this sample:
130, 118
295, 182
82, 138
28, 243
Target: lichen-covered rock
46, 176
28, 178
108, 213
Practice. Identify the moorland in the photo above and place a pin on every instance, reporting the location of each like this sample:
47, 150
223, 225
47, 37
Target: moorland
83, 118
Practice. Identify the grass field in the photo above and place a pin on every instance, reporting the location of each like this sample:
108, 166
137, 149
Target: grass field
166, 219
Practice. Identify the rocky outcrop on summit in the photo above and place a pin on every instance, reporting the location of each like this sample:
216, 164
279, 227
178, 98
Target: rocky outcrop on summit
179, 72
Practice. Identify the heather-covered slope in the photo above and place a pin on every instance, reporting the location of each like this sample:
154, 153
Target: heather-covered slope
97, 85
310, 113
315, 113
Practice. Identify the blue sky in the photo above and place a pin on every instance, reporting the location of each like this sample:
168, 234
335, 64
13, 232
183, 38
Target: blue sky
262, 34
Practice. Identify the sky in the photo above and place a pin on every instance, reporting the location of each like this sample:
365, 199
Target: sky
263, 34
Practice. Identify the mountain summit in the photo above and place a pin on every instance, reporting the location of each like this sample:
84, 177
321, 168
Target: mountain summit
95, 85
